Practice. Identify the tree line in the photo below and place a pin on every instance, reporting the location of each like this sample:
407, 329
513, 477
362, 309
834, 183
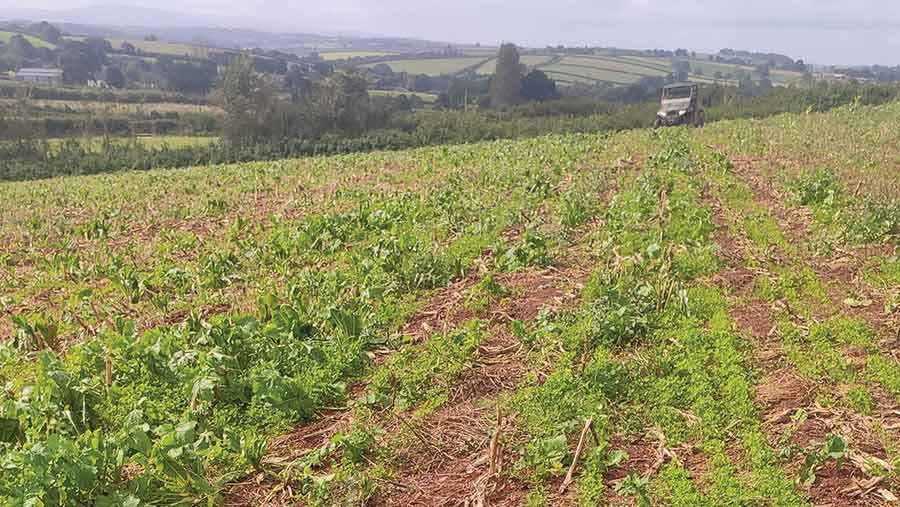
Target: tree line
31, 159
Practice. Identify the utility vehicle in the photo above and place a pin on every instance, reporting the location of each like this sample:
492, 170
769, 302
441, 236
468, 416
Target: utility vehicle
680, 105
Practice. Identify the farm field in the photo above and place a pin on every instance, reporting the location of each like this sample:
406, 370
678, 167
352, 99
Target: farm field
146, 141
569, 74
485, 51
346, 55
621, 70
82, 106
653, 317
426, 97
163, 48
778, 77
571, 69
36, 42
433, 66
96, 143
530, 61
617, 70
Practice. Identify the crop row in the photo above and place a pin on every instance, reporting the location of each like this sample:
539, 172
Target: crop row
156, 367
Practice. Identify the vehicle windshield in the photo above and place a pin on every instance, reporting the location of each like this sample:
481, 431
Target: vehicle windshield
677, 93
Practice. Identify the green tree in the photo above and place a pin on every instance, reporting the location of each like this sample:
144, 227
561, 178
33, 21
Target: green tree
340, 105
506, 85
748, 88
99, 49
19, 50
420, 83
249, 102
114, 77
186, 77
77, 65
681, 70
45, 31
297, 84
538, 87
763, 70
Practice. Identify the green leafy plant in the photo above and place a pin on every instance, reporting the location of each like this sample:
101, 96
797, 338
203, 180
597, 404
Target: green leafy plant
532, 250
834, 448
636, 486
253, 449
38, 332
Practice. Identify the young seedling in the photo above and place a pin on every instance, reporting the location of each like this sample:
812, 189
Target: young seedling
635, 485
834, 448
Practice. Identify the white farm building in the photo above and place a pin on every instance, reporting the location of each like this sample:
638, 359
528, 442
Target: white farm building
41, 76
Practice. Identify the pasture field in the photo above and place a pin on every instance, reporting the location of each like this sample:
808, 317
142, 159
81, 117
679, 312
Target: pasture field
653, 317
163, 48
346, 55
531, 61
570, 69
36, 42
428, 98
433, 66
610, 69
581, 74
89, 106
778, 77
173, 142
484, 51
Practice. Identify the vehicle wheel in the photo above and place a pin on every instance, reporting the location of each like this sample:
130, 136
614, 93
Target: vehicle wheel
657, 123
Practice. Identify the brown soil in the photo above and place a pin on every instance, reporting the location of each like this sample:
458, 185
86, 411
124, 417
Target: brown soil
444, 310
782, 394
451, 472
642, 455
444, 472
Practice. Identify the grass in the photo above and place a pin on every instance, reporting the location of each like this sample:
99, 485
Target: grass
778, 77
568, 73
428, 98
434, 66
346, 55
36, 42
173, 142
531, 61
620, 70
83, 106
629, 69
163, 48
616, 70
167, 327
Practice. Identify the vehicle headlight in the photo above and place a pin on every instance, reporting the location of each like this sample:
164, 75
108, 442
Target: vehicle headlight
682, 112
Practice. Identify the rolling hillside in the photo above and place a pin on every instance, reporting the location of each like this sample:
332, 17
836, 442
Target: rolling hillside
433, 66
36, 42
597, 68
531, 61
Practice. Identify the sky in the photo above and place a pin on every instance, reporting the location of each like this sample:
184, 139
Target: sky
842, 32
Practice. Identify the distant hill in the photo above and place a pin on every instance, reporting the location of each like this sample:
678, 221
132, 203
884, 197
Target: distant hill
130, 16
125, 22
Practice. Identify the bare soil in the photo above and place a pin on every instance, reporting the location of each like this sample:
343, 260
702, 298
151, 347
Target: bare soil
783, 394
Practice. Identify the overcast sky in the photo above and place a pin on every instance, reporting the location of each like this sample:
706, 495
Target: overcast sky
819, 31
